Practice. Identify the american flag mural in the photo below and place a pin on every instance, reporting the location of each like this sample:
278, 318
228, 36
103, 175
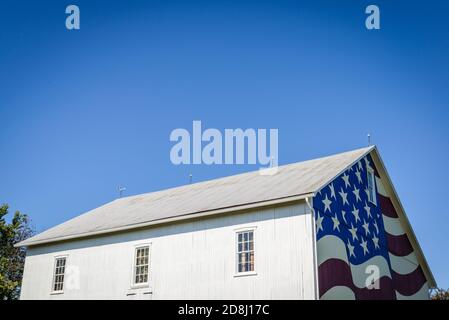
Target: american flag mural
358, 238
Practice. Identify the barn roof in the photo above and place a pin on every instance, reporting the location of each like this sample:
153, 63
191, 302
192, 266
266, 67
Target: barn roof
291, 182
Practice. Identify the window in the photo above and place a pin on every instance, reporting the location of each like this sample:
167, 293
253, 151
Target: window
245, 251
371, 185
141, 265
58, 276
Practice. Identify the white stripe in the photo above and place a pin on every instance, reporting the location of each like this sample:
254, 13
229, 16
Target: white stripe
338, 293
380, 187
404, 265
393, 226
422, 294
330, 246
366, 271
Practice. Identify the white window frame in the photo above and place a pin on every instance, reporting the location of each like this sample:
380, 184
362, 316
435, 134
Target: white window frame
135, 285
53, 282
236, 253
372, 192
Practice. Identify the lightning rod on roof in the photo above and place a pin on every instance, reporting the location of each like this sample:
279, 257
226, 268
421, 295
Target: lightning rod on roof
120, 190
369, 139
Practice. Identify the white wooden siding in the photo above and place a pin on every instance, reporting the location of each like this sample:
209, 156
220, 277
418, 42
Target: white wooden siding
190, 260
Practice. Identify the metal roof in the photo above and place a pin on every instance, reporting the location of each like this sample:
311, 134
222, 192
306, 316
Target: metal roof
293, 181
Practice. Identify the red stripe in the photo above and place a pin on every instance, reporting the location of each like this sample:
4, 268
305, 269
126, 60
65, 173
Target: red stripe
336, 272
409, 284
398, 245
386, 206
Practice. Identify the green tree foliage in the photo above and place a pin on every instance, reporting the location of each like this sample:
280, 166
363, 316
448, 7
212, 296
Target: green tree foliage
440, 294
12, 259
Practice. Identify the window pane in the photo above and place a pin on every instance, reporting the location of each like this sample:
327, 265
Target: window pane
370, 179
142, 265
58, 275
245, 251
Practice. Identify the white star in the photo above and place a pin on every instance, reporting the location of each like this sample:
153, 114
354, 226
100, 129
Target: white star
319, 223
327, 204
367, 209
351, 249
367, 193
360, 165
376, 242
355, 212
367, 164
331, 187
375, 226
344, 196
336, 223
345, 178
364, 245
353, 231
366, 227
357, 194
343, 214
359, 175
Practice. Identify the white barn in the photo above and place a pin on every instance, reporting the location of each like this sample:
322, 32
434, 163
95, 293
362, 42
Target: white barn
248, 236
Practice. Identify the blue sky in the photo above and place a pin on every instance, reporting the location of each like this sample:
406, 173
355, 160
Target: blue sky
85, 111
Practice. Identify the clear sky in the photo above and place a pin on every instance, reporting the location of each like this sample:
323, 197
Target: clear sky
85, 111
